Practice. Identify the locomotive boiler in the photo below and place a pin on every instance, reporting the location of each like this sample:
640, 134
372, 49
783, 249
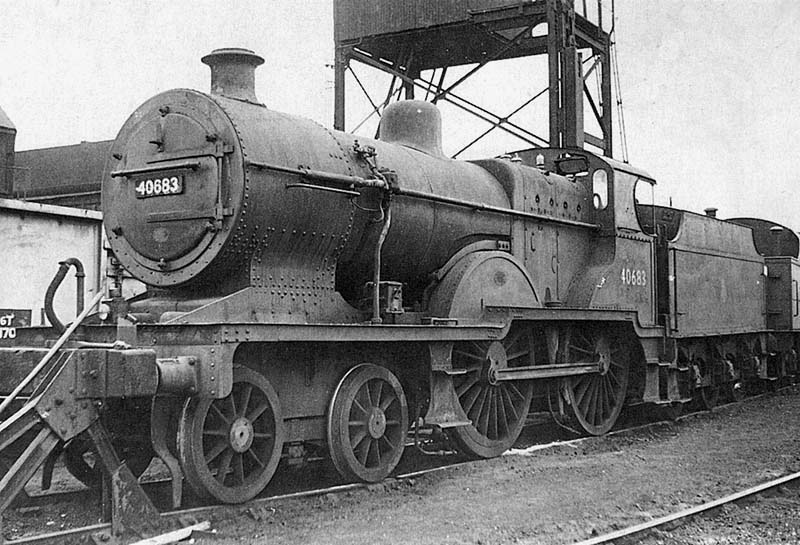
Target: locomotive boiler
315, 294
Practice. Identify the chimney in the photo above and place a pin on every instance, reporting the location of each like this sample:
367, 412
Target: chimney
711, 212
8, 135
233, 73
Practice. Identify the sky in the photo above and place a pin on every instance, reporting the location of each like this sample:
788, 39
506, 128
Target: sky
708, 86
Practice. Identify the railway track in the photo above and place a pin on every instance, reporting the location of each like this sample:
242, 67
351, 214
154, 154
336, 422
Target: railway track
102, 531
686, 514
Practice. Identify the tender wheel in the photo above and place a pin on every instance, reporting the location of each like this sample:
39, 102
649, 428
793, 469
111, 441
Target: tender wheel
708, 396
229, 448
734, 391
367, 423
497, 409
596, 400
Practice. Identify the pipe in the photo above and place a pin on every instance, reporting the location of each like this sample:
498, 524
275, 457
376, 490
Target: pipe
376, 275
49, 296
328, 177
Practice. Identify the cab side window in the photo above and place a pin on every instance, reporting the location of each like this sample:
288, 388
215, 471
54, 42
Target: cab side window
600, 189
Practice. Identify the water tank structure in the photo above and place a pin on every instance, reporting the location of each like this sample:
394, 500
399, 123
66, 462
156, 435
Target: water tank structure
416, 41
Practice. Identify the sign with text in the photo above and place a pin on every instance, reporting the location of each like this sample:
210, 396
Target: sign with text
11, 319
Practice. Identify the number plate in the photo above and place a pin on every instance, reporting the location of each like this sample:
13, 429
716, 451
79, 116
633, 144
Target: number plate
157, 187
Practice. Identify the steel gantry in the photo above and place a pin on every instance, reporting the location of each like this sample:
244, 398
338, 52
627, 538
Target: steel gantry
417, 41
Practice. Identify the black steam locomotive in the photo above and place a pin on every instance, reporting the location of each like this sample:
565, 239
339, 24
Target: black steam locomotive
310, 293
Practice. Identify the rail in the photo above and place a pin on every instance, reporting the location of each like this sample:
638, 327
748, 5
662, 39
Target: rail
692, 511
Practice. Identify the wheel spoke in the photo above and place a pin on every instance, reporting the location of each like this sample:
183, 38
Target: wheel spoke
502, 418
254, 456
604, 401
615, 362
476, 408
391, 445
479, 347
483, 416
218, 449
238, 468
574, 348
588, 399
584, 340
466, 385
257, 412
377, 395
362, 456
596, 393
513, 388
366, 393
519, 354
245, 401
509, 343
377, 450
580, 388
510, 403
388, 401
359, 406
492, 426
469, 399
356, 439
224, 466
220, 414
613, 377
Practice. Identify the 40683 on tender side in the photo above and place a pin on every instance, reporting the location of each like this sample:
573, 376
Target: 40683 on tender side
313, 294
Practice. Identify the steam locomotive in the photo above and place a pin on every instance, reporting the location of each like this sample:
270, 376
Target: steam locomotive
313, 293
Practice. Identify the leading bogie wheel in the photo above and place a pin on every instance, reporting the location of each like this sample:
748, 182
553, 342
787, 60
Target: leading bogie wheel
595, 400
367, 423
128, 425
497, 409
229, 448
83, 463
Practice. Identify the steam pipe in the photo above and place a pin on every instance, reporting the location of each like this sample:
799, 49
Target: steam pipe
376, 278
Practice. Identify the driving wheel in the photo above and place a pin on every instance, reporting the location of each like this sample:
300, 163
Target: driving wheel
229, 448
497, 409
595, 400
367, 423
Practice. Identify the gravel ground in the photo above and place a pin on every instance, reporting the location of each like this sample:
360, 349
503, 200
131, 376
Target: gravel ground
560, 495
565, 494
